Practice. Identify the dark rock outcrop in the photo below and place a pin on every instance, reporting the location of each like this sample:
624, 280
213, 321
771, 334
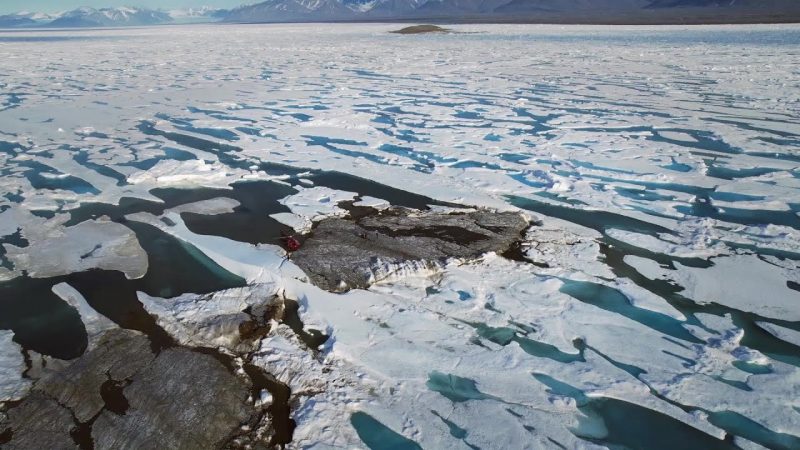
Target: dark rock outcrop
345, 254
421, 29
119, 395
39, 422
184, 400
118, 356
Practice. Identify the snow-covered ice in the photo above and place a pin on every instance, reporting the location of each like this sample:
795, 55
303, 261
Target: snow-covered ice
211, 320
13, 385
659, 166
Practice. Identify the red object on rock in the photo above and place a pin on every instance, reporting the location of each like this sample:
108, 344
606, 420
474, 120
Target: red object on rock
292, 244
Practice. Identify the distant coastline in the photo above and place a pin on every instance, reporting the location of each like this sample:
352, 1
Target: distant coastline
672, 16
794, 19
442, 22
598, 12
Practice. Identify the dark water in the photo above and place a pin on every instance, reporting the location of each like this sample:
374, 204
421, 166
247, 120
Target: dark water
256, 198
56, 180
41, 321
703, 207
367, 187
46, 324
16, 240
82, 158
250, 221
596, 220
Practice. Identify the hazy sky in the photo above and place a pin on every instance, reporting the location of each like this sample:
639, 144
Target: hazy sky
50, 6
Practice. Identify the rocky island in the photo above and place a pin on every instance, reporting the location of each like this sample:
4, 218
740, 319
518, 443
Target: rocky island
421, 29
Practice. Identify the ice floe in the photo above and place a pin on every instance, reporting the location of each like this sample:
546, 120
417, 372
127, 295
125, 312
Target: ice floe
13, 385
730, 282
312, 204
96, 324
54, 250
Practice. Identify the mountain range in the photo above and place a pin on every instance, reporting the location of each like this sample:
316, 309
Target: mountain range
85, 17
547, 11
23, 19
110, 17
535, 11
200, 14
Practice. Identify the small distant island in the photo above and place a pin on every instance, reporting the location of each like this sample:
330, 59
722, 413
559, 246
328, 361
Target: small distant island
420, 29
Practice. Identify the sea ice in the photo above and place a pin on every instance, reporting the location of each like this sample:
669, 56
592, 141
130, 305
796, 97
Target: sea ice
96, 324
660, 175
13, 385
55, 250
730, 282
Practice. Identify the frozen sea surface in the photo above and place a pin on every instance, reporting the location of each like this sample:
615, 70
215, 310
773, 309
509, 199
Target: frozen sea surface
661, 165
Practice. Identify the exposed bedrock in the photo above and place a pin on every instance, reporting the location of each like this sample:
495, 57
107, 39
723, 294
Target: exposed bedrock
184, 400
421, 29
120, 395
119, 355
342, 254
38, 422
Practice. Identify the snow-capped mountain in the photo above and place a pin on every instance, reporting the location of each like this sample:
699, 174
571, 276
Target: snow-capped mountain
15, 21
294, 10
195, 15
37, 16
438, 8
300, 10
110, 17
585, 11
528, 8
393, 8
24, 19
